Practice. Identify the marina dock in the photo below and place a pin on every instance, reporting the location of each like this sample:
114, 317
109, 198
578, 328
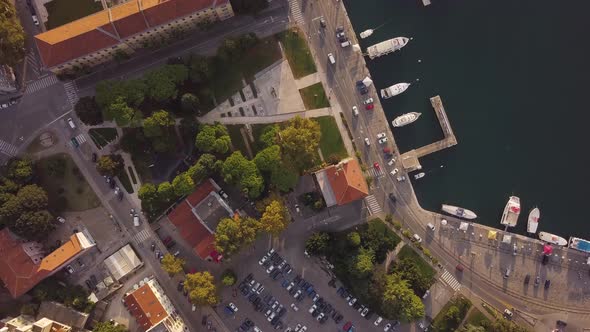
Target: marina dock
410, 159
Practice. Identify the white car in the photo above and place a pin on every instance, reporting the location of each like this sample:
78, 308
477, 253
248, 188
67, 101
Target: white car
70, 269
394, 172
270, 269
2, 106
365, 312
426, 294
294, 307
367, 141
355, 111
281, 265
320, 316
262, 260
194, 307
353, 301
417, 238
272, 315
61, 219
422, 326
313, 308
298, 328
303, 329
290, 286
316, 297
381, 135
368, 101
387, 327
298, 294
378, 321
391, 162
431, 226
401, 178
383, 140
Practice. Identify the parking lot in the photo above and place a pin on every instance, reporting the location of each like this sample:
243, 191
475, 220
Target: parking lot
269, 297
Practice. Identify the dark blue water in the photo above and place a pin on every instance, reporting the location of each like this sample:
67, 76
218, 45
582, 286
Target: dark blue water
514, 77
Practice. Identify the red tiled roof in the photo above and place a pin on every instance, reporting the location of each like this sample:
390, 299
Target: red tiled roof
200, 193
95, 32
347, 182
145, 307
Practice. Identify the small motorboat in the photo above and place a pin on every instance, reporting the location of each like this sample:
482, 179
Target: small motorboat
533, 222
366, 33
419, 175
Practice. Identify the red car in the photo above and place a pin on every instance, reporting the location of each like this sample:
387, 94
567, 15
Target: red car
348, 327
377, 167
369, 107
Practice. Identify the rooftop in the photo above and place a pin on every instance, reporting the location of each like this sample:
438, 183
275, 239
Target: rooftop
342, 183
145, 306
122, 262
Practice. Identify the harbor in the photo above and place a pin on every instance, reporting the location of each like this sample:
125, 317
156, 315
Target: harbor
410, 159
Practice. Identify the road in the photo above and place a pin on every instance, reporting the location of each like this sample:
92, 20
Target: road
341, 79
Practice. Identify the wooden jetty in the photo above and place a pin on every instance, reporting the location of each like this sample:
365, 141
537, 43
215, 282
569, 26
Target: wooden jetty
410, 159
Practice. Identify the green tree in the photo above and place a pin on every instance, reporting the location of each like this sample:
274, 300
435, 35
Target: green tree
503, 325
354, 239
109, 327
243, 172
453, 315
399, 301
233, 234
472, 328
148, 192
284, 177
34, 224
268, 159
379, 238
189, 103
362, 264
275, 218
228, 277
32, 197
410, 271
166, 192
202, 168
162, 82
12, 35
213, 138
131, 92
299, 141
121, 112
158, 124
269, 135
88, 111
106, 165
183, 184
172, 265
200, 69
201, 288
20, 170
317, 243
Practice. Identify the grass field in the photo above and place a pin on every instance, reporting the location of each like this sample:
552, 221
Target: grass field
477, 317
331, 142
314, 97
408, 252
102, 136
297, 53
61, 178
442, 324
65, 11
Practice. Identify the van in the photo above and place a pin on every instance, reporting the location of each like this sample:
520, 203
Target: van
331, 58
71, 123
136, 220
35, 20
345, 44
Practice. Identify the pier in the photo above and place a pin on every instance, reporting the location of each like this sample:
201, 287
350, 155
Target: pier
410, 159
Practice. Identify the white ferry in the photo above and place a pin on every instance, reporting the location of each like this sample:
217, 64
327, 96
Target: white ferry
394, 90
386, 47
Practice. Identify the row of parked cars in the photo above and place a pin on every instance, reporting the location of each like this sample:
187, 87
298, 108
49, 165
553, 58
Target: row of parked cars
364, 310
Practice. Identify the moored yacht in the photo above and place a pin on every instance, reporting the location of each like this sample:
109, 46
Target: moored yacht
552, 238
511, 212
405, 119
459, 212
394, 90
533, 222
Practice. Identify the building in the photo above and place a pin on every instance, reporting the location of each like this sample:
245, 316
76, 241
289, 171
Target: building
196, 219
123, 262
152, 309
24, 264
97, 38
24, 323
342, 183
65, 315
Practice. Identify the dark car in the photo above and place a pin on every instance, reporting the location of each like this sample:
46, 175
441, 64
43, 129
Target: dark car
180, 286
527, 278
547, 283
392, 197
94, 157
322, 22
369, 315
89, 284
170, 244
249, 277
545, 260
338, 318
277, 276
315, 313
363, 90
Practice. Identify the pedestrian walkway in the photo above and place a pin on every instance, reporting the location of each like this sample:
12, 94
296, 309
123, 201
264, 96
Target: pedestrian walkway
33, 63
72, 92
81, 138
7, 148
142, 236
376, 173
373, 205
450, 280
296, 11
41, 83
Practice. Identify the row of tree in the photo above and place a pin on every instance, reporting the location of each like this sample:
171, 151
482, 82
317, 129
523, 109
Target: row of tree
12, 35
23, 204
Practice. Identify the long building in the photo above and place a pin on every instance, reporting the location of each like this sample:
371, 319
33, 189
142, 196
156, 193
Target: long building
127, 27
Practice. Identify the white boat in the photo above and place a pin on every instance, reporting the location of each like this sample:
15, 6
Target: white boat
405, 119
387, 46
533, 222
366, 33
394, 90
552, 238
580, 244
419, 175
511, 212
459, 212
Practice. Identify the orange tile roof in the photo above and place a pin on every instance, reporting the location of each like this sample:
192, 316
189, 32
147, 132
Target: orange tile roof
145, 307
95, 32
347, 181
19, 273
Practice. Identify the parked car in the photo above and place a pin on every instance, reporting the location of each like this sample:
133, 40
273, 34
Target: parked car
352, 302
527, 278
416, 238
367, 142
537, 281
387, 327
547, 283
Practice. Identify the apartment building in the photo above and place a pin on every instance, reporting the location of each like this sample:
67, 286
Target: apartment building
127, 27
24, 323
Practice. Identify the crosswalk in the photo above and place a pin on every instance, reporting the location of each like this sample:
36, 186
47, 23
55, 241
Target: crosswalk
451, 281
376, 173
71, 92
373, 205
40, 84
141, 236
81, 138
296, 11
7, 148
33, 63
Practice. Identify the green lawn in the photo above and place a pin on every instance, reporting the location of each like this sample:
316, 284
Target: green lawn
441, 322
65, 11
297, 53
331, 141
477, 318
102, 136
124, 179
408, 252
66, 187
314, 97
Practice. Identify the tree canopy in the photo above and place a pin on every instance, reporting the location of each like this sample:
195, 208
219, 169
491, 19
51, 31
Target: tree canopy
243, 172
106, 165
363, 263
88, 111
183, 184
201, 288
121, 112
157, 124
12, 35
299, 141
317, 243
162, 82
398, 300
233, 234
189, 103
275, 218
213, 138
25, 213
172, 265
131, 92
109, 327
204, 166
